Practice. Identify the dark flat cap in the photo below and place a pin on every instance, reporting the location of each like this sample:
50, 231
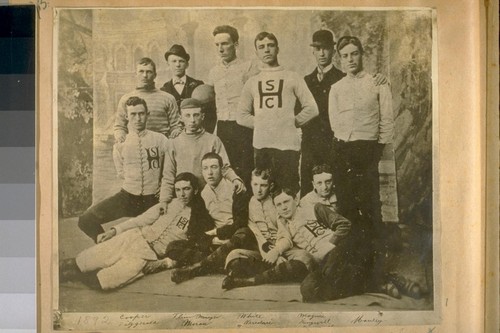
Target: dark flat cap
190, 103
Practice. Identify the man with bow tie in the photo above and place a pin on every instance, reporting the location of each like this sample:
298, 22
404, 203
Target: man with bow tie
181, 86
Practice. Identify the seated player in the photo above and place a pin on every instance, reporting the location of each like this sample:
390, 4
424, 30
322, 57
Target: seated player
229, 210
129, 247
138, 162
263, 223
305, 236
322, 188
185, 152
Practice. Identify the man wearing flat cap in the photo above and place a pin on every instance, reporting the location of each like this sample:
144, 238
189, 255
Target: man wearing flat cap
181, 86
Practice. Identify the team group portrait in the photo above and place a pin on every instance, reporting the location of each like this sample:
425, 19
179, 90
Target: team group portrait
234, 160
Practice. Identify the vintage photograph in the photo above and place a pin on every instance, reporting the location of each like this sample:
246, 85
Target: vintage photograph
244, 167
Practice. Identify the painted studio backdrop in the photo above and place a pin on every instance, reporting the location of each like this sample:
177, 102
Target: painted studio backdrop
97, 51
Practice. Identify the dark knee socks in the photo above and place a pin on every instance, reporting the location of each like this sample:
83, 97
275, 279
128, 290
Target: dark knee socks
292, 271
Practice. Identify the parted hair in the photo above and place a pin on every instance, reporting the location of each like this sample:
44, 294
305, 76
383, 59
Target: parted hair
346, 40
278, 190
227, 29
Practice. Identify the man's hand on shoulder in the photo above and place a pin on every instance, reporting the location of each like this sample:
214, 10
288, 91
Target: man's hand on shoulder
175, 133
380, 79
238, 186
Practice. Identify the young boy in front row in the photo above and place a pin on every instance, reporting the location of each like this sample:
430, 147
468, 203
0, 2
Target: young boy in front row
310, 232
292, 265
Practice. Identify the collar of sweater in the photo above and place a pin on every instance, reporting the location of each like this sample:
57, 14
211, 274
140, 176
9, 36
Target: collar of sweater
148, 87
138, 134
272, 69
194, 134
358, 75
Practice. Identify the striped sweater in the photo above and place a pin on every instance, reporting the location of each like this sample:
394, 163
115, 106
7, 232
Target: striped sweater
163, 111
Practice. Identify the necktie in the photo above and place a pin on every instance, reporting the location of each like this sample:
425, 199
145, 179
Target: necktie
320, 76
181, 82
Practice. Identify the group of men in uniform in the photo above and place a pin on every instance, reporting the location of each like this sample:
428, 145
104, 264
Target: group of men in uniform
308, 150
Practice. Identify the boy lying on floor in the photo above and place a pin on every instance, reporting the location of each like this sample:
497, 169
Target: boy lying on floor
138, 246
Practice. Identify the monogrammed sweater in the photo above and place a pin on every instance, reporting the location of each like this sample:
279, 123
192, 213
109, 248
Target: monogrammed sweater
267, 104
138, 161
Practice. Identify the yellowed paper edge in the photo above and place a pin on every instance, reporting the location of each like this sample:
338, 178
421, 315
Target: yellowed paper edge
460, 157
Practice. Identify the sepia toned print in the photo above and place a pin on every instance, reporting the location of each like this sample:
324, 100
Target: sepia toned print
99, 53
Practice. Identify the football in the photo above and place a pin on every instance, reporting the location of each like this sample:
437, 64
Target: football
204, 93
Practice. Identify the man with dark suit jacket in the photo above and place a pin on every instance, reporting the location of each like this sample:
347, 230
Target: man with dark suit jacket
182, 86
317, 134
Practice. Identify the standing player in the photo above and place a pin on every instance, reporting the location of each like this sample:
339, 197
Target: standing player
317, 134
267, 105
182, 86
228, 78
163, 110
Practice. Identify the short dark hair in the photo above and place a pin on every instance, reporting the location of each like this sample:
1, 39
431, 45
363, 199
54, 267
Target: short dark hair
227, 29
278, 190
264, 34
134, 100
189, 177
212, 155
321, 168
147, 61
265, 174
346, 40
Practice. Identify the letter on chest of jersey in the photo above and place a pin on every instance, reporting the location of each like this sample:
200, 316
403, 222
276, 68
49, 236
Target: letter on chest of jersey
315, 228
271, 94
153, 157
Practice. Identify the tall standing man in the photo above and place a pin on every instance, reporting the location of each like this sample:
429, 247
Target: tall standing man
362, 120
163, 110
317, 134
228, 78
267, 105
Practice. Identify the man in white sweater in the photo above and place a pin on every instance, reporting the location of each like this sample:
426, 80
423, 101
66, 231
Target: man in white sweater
267, 104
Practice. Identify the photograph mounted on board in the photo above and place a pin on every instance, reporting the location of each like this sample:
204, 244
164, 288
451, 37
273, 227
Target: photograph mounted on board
244, 167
